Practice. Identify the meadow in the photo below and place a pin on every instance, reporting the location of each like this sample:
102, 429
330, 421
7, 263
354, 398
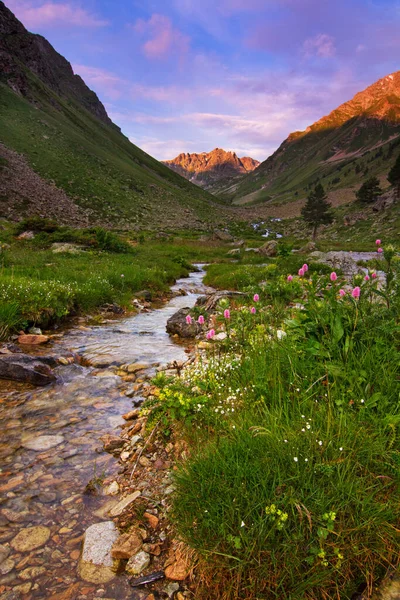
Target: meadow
291, 423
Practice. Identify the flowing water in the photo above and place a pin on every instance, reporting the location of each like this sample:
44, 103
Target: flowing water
50, 450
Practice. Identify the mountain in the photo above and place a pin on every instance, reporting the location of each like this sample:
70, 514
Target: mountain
355, 140
210, 168
61, 156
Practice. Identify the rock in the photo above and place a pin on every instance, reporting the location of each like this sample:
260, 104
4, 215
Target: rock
24, 588
133, 414
124, 503
224, 236
171, 589
6, 566
96, 564
234, 252
29, 369
152, 520
111, 443
177, 325
35, 331
269, 249
26, 235
127, 545
309, 247
33, 340
60, 247
220, 337
145, 295
31, 573
178, 571
135, 367
4, 553
112, 489
30, 538
138, 563
43, 442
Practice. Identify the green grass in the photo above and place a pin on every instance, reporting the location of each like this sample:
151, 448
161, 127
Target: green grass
292, 485
98, 167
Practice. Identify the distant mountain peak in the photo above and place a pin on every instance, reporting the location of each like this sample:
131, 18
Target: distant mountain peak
208, 168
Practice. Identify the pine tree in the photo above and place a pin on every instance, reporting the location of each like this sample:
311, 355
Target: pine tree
394, 176
369, 191
317, 210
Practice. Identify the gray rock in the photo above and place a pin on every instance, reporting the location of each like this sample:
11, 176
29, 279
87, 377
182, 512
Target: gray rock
96, 563
212, 300
177, 325
269, 249
234, 252
29, 369
26, 235
138, 563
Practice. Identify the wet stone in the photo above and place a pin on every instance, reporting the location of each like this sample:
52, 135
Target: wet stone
138, 563
31, 573
124, 503
6, 566
42, 442
30, 538
96, 562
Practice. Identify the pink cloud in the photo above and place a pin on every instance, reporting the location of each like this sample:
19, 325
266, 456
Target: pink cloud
163, 40
321, 45
52, 14
108, 83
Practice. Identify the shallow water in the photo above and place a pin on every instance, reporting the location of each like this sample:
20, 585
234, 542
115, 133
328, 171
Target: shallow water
46, 487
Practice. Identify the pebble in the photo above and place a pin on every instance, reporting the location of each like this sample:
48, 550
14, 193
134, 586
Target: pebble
112, 489
138, 563
124, 503
6, 566
31, 573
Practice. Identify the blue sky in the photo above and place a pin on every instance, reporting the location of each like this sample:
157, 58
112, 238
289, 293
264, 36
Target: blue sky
192, 75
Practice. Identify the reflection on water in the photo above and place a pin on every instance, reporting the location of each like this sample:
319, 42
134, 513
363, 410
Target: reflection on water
44, 486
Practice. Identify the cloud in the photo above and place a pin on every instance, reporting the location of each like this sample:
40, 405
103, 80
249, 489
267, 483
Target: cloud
162, 39
322, 45
52, 14
103, 81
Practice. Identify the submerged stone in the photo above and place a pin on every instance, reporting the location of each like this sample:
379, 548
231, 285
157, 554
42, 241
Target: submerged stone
30, 538
43, 442
96, 564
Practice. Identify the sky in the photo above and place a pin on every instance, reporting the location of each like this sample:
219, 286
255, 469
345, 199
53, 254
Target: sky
191, 75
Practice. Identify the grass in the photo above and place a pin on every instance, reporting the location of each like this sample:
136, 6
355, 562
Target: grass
97, 166
291, 489
38, 287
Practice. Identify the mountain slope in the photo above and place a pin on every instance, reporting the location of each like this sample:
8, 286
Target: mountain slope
50, 116
357, 138
210, 168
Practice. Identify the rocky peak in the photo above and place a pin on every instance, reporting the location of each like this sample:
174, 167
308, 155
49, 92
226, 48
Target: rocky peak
381, 101
21, 50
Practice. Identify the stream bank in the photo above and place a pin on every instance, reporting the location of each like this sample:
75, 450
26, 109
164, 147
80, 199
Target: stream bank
52, 460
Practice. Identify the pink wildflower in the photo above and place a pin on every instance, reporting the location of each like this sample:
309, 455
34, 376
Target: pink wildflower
378, 242
290, 277
301, 272
374, 275
253, 310
333, 276
256, 297
227, 313
356, 292
200, 320
210, 334
366, 278
342, 293
188, 319
305, 267
380, 250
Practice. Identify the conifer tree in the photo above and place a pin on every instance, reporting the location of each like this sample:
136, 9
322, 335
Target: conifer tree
317, 210
394, 176
369, 191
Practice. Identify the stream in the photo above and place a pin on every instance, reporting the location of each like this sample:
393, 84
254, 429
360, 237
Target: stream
50, 450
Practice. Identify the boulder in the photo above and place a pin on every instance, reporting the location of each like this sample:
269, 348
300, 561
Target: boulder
96, 564
269, 249
28, 369
62, 247
177, 325
112, 443
234, 252
309, 247
26, 235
